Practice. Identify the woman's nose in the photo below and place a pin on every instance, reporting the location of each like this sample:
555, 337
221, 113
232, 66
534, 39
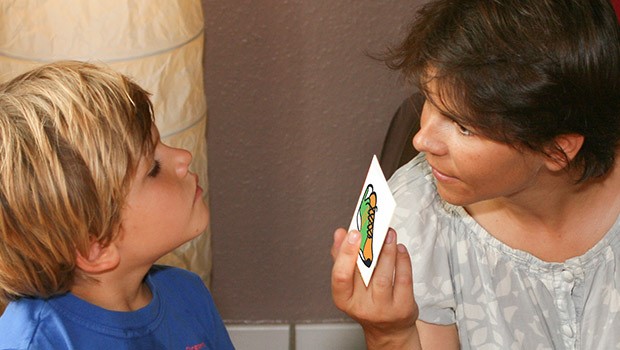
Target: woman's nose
429, 138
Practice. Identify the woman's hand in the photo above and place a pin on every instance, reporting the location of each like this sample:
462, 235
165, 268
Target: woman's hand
385, 309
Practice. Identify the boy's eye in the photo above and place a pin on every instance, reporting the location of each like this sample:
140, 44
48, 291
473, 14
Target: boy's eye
463, 130
155, 169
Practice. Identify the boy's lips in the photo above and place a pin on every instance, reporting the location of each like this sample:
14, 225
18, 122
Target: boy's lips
198, 193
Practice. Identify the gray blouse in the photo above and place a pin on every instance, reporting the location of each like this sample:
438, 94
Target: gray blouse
500, 297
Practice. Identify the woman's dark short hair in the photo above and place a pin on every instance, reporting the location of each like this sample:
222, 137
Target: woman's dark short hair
523, 71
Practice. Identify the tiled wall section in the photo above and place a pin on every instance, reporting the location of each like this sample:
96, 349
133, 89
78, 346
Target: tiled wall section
324, 336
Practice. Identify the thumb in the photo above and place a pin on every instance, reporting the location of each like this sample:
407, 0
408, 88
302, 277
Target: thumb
343, 272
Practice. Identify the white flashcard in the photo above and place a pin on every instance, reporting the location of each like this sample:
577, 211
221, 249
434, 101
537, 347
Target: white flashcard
371, 218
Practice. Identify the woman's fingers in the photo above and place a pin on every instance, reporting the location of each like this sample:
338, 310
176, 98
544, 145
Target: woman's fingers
338, 238
383, 276
343, 272
403, 275
403, 281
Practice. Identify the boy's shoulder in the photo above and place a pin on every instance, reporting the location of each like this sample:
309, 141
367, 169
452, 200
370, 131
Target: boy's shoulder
20, 321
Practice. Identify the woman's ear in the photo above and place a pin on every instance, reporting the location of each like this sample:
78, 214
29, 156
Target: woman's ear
100, 258
563, 151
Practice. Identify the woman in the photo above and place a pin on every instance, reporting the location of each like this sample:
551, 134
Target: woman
510, 212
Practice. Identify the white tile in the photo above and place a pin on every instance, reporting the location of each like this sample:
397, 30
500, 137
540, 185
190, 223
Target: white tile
329, 336
259, 337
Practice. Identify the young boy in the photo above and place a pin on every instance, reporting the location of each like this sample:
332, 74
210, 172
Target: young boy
90, 198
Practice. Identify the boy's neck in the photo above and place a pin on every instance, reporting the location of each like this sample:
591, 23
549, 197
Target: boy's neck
114, 292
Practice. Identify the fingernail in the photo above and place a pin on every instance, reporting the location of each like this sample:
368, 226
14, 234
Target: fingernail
390, 237
353, 237
401, 248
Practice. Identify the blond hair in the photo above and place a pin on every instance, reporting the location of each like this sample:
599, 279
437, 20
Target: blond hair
71, 135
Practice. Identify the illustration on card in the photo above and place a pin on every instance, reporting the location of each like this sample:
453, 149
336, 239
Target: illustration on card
365, 223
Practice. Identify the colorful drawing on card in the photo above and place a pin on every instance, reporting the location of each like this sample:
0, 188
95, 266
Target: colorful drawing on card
365, 221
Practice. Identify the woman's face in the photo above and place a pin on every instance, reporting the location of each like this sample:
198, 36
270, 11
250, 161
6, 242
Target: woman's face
469, 167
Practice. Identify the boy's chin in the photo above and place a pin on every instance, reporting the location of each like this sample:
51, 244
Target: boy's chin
204, 223
200, 229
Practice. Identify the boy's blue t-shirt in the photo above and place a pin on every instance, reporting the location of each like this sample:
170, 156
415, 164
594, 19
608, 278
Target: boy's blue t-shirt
181, 315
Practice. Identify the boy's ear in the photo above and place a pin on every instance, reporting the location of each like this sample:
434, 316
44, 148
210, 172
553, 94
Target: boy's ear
100, 258
564, 150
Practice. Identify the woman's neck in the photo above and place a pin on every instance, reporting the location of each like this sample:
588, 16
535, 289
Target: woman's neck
556, 219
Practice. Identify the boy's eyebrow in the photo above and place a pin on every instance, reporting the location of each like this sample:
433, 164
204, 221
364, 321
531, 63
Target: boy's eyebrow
143, 165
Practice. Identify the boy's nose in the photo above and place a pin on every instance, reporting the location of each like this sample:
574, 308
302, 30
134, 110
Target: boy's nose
184, 159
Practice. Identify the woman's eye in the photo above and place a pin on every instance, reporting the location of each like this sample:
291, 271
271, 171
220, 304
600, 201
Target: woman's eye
155, 169
463, 130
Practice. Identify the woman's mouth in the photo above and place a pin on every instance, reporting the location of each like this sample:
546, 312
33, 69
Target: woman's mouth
442, 177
